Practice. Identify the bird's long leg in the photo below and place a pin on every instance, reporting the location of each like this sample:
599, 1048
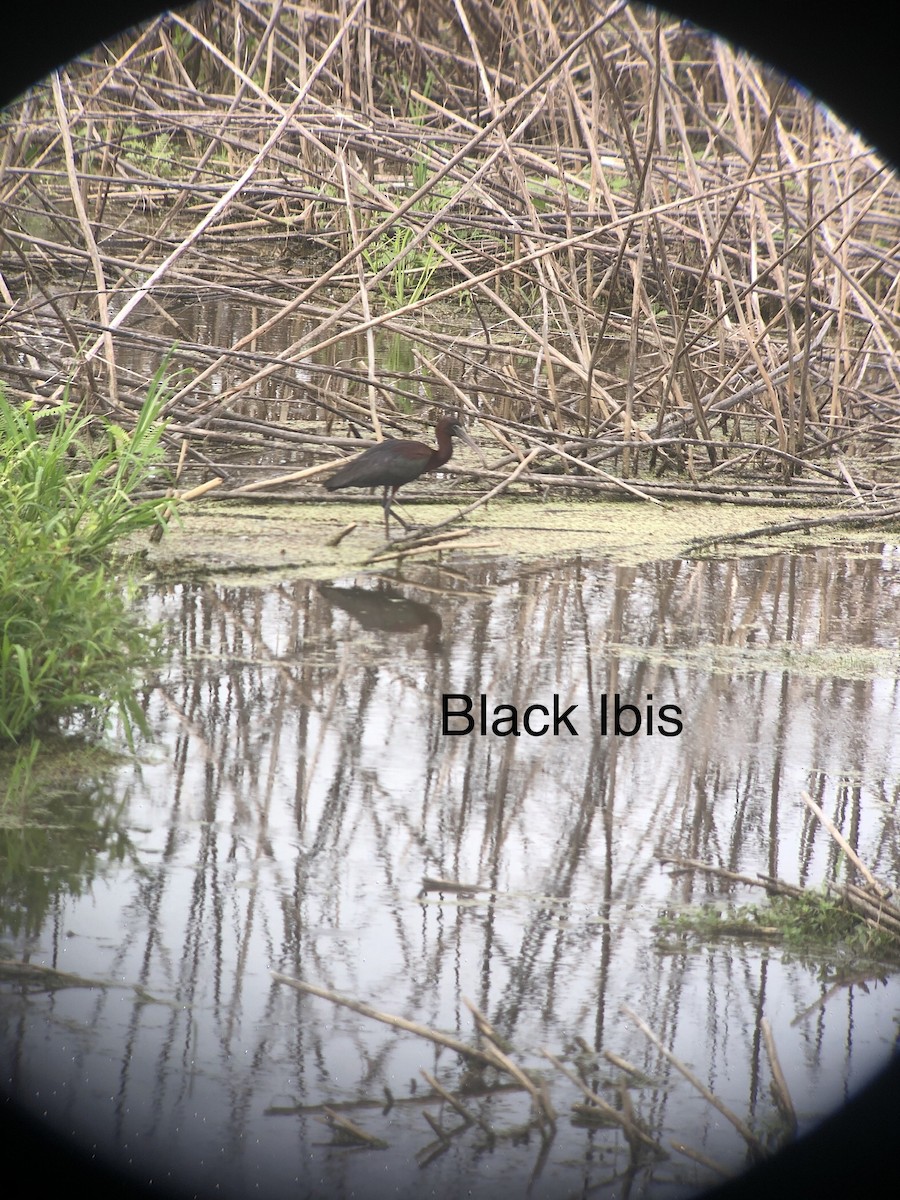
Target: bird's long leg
386, 503
389, 494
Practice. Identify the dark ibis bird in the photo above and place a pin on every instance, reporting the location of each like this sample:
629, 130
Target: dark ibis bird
392, 463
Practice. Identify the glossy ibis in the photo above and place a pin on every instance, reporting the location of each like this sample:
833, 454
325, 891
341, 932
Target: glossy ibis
392, 463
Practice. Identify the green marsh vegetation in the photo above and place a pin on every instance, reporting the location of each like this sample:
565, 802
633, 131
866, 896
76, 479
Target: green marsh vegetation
813, 923
70, 638
408, 266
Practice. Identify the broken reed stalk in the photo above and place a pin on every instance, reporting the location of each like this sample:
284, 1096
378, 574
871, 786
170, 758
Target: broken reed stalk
202, 489
341, 534
623, 1064
469, 1117
363, 295
755, 1145
880, 890
90, 243
374, 1014
437, 1128
503, 1062
703, 1159
877, 913
634, 1133
447, 541
779, 1083
279, 481
777, 886
629, 488
491, 1053
168, 512
351, 1130
849, 521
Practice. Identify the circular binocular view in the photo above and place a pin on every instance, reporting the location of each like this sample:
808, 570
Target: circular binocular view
449, 577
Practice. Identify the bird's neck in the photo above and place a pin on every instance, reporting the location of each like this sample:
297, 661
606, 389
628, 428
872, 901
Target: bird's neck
441, 455
444, 450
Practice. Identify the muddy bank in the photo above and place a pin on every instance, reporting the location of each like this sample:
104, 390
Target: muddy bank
288, 539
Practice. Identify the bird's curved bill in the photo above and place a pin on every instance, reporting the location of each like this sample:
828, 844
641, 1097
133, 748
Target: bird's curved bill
464, 436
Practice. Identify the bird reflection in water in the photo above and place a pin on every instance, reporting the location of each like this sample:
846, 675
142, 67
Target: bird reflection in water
386, 611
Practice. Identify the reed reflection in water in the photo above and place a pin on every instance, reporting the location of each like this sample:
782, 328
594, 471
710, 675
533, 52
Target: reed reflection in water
301, 787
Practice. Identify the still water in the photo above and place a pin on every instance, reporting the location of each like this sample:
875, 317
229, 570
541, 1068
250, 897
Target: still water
304, 778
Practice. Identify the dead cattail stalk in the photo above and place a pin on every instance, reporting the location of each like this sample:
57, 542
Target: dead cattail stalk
341, 534
501, 1059
875, 911
756, 1147
879, 889
374, 1014
634, 1133
692, 864
703, 1159
279, 481
469, 1117
349, 1129
90, 244
779, 1083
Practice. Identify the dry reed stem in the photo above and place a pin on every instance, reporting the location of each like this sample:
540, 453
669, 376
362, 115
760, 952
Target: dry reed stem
703, 1159
437, 1129
623, 1064
467, 1116
351, 1129
848, 521
876, 912
756, 1147
280, 480
778, 886
779, 1083
363, 298
374, 1014
168, 512
880, 890
664, 235
202, 489
503, 1062
89, 241
449, 543
633, 1131
629, 488
341, 534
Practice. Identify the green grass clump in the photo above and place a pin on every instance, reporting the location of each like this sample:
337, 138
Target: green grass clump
411, 273
814, 923
69, 640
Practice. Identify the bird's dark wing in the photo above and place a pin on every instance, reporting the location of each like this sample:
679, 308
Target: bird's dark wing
391, 463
